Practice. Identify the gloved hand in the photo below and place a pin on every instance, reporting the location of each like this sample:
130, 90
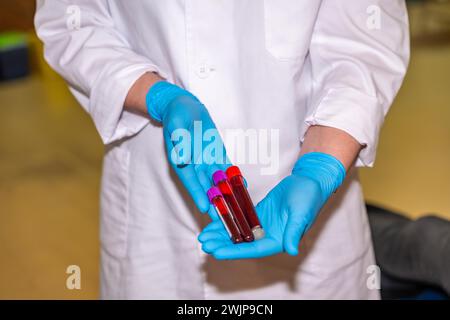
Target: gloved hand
185, 122
286, 213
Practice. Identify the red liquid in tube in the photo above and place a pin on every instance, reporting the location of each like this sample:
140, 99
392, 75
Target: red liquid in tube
220, 180
224, 212
240, 191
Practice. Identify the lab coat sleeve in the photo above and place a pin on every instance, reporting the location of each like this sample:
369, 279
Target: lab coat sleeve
83, 46
359, 53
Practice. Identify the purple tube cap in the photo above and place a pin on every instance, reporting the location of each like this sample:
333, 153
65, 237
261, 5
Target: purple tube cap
213, 192
218, 176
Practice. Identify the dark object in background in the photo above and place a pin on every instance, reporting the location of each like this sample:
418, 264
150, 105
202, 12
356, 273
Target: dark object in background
13, 56
413, 255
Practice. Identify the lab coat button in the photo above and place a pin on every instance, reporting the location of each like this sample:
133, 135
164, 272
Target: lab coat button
203, 71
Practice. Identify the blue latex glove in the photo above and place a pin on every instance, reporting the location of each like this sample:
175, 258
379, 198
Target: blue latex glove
286, 213
193, 159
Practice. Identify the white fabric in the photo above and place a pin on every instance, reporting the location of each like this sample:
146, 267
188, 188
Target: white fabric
264, 64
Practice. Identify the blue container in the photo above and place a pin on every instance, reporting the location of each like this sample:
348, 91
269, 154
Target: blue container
14, 61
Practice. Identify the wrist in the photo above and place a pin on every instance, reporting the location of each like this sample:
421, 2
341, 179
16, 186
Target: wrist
135, 99
325, 169
160, 96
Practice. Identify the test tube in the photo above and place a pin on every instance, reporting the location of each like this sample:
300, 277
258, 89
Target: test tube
240, 191
224, 212
221, 181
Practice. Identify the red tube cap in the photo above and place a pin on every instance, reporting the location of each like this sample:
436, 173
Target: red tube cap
233, 171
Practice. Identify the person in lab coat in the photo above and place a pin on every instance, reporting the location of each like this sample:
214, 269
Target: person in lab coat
320, 74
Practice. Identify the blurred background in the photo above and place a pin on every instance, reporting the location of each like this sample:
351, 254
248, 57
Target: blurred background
50, 155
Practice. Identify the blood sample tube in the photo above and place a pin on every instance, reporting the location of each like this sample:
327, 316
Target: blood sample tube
224, 212
221, 181
240, 191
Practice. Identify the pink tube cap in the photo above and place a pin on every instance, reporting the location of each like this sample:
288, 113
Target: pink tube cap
218, 176
213, 192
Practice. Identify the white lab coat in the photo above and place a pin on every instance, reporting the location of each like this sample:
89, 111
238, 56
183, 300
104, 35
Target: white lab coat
265, 64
